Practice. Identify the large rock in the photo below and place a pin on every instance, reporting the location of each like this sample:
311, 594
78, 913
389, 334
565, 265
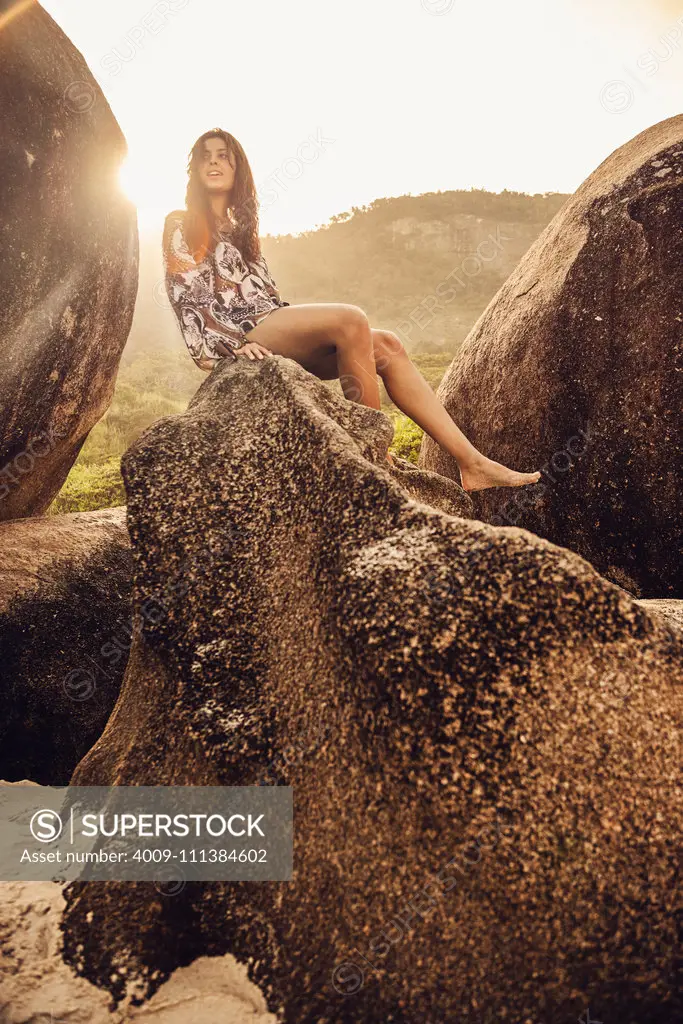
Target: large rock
65, 635
68, 274
478, 729
575, 368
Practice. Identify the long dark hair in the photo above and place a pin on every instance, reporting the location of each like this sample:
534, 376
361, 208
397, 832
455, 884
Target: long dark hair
201, 228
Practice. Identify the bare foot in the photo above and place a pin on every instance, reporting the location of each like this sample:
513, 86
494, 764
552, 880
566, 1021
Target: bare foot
488, 473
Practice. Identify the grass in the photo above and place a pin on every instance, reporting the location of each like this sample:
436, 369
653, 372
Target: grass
91, 486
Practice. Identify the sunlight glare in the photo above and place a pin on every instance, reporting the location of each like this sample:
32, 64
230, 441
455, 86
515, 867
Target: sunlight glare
143, 188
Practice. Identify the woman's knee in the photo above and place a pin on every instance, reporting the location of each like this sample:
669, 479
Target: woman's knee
387, 346
352, 324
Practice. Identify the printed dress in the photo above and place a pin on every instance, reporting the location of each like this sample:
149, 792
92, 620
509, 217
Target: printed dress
218, 299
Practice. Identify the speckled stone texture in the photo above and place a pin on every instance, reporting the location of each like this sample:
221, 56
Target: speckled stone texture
69, 267
575, 369
65, 635
480, 732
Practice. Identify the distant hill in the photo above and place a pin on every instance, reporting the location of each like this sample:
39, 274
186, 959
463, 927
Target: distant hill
424, 266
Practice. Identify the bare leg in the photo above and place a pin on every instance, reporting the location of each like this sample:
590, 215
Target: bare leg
357, 370
331, 339
408, 390
335, 340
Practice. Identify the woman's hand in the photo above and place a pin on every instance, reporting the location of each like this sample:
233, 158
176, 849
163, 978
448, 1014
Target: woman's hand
252, 350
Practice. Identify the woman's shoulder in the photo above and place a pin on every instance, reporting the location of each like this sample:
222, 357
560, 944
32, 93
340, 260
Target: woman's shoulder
174, 219
177, 255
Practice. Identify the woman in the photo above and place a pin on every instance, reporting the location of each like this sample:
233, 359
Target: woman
228, 305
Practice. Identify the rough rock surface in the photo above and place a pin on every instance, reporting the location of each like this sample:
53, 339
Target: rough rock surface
68, 274
65, 635
575, 368
429, 488
479, 731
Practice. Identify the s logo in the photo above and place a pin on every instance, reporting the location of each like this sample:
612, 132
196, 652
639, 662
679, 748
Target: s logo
46, 826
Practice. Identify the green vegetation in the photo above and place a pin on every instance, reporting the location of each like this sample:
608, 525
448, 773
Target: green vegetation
407, 438
149, 387
91, 485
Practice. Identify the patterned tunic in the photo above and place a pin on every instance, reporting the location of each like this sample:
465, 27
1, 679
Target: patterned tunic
218, 299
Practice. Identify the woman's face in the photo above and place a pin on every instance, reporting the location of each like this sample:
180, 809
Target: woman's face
217, 166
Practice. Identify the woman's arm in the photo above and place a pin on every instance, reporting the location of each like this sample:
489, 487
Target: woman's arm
260, 268
207, 332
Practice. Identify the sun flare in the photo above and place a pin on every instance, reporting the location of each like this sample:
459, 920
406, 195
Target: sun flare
153, 198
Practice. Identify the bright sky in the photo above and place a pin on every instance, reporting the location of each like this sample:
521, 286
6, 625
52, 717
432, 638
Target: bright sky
339, 102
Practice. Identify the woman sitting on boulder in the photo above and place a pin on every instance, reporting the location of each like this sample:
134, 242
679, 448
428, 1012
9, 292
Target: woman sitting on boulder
227, 305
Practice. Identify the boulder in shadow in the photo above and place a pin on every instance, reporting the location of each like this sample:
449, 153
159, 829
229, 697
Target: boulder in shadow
575, 368
65, 635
